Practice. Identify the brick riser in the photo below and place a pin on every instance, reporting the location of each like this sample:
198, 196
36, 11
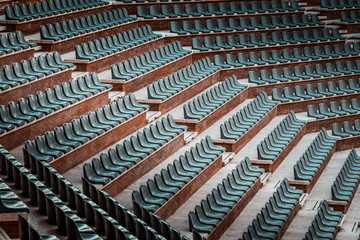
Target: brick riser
169, 208
103, 63
18, 136
318, 124
271, 166
131, 7
234, 212
301, 106
242, 72
186, 94
33, 26
160, 24
9, 58
211, 53
236, 146
68, 44
141, 81
92, 147
257, 89
128, 177
343, 206
23, 90
307, 186
204, 123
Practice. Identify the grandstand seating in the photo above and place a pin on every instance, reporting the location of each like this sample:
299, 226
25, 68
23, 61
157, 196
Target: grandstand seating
347, 129
210, 9
275, 217
325, 224
14, 47
226, 200
82, 133
132, 151
313, 161
123, 119
174, 185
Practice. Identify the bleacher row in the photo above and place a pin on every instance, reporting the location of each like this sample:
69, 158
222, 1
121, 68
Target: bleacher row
69, 120
211, 8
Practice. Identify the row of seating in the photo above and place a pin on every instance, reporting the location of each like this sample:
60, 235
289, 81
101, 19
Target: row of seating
68, 223
9, 201
93, 213
239, 123
13, 42
128, 222
222, 199
307, 72
320, 91
28, 231
296, 55
334, 4
253, 40
147, 61
347, 129
90, 23
347, 179
183, 78
271, 219
33, 69
325, 223
209, 9
314, 156
109, 45
102, 212
79, 131
277, 140
255, 23
131, 151
350, 17
174, 178
334, 109
44, 103
47, 8
212, 99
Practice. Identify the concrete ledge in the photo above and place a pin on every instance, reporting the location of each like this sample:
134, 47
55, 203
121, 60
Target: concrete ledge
95, 145
236, 145
169, 207
142, 80
128, 177
101, 64
182, 96
22, 90
19, 135
307, 186
234, 212
200, 125
271, 166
